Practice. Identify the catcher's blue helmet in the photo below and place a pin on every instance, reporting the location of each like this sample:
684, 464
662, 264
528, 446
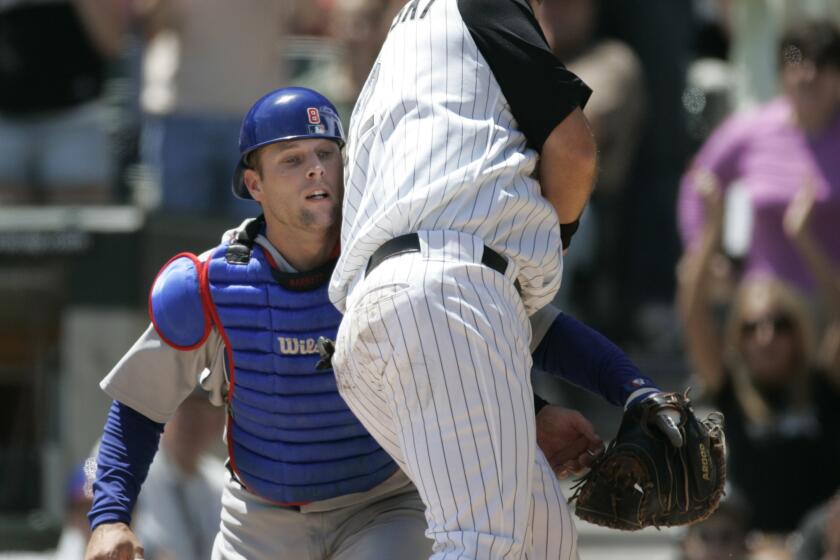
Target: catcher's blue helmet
285, 114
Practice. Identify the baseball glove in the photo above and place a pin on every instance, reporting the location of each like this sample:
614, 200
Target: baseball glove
644, 478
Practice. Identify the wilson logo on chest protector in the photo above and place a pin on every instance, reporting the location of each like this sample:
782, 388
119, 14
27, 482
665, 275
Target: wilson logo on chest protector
295, 346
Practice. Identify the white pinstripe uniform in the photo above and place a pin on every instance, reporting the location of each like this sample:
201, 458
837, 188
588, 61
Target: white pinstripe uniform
433, 353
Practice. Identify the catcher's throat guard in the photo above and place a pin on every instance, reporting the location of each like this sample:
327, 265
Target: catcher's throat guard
643, 480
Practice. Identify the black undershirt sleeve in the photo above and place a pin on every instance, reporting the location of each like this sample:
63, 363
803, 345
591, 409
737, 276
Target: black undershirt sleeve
540, 90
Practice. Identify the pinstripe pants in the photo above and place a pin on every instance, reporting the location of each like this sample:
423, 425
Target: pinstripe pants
433, 357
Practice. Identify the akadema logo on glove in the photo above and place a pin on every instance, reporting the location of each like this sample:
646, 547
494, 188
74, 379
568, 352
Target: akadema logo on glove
705, 467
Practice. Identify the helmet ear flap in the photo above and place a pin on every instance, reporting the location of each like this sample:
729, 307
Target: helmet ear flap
284, 114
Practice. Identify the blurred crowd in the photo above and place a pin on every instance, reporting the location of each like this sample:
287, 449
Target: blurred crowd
710, 249
139, 101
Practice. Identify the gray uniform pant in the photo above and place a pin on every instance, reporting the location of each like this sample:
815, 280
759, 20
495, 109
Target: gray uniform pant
381, 527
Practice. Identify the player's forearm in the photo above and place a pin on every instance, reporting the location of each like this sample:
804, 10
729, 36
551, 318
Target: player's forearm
701, 339
693, 272
584, 357
826, 276
568, 164
129, 443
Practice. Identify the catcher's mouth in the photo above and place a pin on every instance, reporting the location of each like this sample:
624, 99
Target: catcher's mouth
318, 195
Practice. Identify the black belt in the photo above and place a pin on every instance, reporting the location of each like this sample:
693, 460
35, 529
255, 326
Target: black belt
410, 243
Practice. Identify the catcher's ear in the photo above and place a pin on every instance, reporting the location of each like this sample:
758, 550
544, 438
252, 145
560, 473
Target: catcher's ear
252, 182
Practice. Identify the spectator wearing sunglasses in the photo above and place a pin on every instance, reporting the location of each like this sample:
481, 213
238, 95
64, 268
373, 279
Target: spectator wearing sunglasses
760, 367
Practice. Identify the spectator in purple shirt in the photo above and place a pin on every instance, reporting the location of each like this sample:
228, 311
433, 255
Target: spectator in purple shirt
776, 149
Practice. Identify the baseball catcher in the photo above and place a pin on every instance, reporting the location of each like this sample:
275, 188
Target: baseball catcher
665, 467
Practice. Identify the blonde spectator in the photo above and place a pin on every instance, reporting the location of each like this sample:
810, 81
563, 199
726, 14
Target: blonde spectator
782, 410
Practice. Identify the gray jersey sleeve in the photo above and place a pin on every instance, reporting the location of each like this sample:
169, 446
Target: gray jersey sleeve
540, 323
153, 378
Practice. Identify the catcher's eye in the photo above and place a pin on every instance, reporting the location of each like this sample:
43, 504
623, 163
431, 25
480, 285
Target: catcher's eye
782, 324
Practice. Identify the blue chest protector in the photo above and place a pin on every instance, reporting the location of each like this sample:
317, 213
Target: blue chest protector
291, 437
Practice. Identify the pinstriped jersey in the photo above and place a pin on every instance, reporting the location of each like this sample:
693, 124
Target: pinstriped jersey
446, 134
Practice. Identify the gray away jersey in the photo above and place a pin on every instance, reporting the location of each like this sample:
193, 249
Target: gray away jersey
446, 135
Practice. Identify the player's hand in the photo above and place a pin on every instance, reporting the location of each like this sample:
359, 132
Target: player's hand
798, 212
667, 421
113, 541
567, 439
